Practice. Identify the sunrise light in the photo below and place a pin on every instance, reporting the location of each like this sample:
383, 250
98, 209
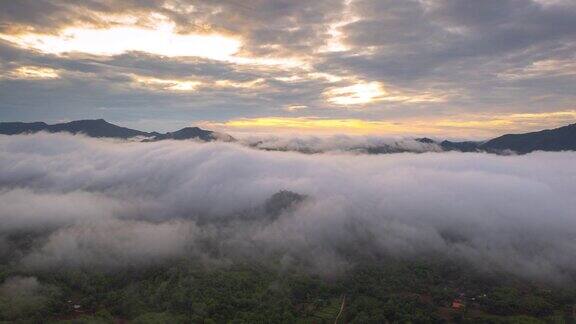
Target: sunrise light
34, 72
160, 40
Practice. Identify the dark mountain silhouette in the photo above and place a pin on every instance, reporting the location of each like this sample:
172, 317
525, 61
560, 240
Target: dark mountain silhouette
282, 201
425, 140
22, 128
467, 146
96, 128
558, 139
102, 128
92, 128
192, 133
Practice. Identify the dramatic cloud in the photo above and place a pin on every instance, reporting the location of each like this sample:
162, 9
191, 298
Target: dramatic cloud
161, 63
93, 203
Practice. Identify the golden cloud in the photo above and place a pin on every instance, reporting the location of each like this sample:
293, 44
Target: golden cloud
362, 92
33, 73
161, 40
154, 34
473, 126
189, 85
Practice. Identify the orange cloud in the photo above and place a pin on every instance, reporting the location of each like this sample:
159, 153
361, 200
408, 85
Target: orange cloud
473, 126
33, 73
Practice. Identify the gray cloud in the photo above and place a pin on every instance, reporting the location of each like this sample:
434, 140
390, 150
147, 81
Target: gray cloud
51, 15
462, 45
509, 56
297, 26
112, 204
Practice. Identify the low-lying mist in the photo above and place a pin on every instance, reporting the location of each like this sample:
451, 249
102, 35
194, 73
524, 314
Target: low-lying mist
340, 143
83, 202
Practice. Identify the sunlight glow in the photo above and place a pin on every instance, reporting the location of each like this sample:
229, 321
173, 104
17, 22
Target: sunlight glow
295, 107
326, 76
367, 92
335, 42
34, 72
359, 93
309, 125
193, 85
161, 40
542, 68
164, 84
472, 126
253, 84
299, 123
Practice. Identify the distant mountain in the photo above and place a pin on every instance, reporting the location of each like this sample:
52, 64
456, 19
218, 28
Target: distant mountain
92, 128
425, 140
16, 128
282, 201
467, 146
558, 139
96, 128
192, 133
102, 128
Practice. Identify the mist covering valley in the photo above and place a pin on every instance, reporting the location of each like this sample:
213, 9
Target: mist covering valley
341, 144
75, 210
95, 203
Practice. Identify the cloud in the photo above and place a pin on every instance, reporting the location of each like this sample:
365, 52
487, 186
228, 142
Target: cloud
338, 143
94, 203
19, 286
113, 243
20, 296
397, 61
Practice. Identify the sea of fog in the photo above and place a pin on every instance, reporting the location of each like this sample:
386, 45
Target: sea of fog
106, 204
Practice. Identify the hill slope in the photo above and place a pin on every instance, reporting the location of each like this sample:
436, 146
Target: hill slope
192, 133
89, 127
558, 139
101, 128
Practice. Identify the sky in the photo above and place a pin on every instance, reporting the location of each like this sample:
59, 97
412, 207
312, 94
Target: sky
446, 68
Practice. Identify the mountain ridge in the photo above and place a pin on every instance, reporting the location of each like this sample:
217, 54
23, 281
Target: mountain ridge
556, 139
100, 128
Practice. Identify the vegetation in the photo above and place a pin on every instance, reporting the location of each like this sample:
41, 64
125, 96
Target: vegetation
374, 292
